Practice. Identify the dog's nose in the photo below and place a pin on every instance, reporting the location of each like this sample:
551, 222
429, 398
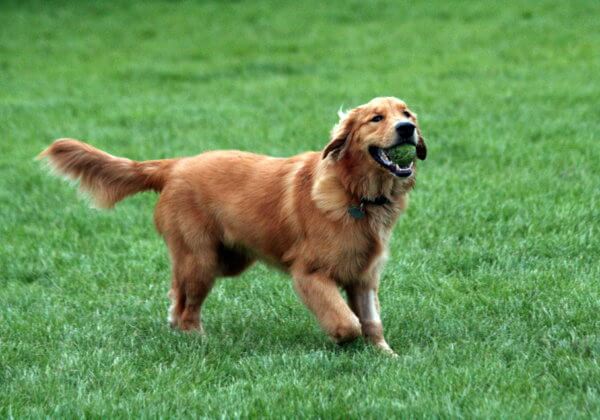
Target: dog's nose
405, 129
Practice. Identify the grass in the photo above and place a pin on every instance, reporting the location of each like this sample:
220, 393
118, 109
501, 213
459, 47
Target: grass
491, 296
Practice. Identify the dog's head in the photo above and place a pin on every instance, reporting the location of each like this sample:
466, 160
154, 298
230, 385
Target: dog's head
364, 135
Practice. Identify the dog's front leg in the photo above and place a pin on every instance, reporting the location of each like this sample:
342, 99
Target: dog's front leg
364, 301
321, 295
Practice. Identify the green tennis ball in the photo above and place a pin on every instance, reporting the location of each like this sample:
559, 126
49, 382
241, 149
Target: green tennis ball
402, 155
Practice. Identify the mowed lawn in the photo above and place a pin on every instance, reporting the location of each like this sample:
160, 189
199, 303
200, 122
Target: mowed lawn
491, 296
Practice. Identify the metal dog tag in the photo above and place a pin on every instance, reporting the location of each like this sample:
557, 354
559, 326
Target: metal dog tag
356, 211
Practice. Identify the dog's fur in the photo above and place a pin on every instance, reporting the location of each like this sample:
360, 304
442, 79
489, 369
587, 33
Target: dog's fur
220, 211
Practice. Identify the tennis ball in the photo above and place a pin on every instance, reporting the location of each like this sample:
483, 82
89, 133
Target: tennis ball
402, 155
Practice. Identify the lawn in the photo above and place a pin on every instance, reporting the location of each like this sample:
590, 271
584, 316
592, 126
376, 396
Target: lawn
491, 296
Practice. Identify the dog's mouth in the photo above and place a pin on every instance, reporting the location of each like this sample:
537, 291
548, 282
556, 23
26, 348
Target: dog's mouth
380, 156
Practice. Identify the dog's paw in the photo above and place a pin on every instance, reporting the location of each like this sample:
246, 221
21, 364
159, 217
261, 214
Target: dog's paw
187, 326
384, 347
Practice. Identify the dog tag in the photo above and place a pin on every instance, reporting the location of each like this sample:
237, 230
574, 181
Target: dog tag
356, 211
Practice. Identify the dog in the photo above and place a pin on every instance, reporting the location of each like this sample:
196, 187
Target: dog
323, 217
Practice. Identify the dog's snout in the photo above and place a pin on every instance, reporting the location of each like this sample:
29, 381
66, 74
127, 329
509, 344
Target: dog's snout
405, 129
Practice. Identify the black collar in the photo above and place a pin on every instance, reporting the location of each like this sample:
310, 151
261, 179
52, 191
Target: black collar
358, 211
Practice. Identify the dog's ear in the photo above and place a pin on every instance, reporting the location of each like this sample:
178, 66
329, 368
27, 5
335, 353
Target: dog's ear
340, 134
421, 146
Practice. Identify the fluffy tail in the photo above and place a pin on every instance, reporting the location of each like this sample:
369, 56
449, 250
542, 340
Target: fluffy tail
106, 178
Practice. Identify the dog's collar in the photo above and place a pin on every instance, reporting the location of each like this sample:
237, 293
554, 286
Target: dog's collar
358, 211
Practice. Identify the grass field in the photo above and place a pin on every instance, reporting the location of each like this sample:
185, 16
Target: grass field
491, 296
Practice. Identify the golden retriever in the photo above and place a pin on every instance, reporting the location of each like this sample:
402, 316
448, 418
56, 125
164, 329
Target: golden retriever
323, 217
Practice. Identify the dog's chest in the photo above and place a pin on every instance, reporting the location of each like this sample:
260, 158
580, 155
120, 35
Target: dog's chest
358, 255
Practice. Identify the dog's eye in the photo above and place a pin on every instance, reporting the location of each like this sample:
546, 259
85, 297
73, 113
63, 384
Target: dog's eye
407, 114
377, 118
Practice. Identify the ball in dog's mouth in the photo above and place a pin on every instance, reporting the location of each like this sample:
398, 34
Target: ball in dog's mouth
398, 159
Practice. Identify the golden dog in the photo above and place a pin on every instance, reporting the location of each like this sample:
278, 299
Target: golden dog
325, 217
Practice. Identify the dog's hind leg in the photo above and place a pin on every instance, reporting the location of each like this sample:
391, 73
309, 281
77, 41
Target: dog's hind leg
321, 295
193, 278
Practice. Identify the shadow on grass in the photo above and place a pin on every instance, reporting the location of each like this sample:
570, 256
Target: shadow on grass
235, 340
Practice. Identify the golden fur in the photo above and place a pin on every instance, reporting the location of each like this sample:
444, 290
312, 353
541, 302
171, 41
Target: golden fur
220, 211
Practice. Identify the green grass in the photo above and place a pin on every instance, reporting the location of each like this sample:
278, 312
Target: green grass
491, 296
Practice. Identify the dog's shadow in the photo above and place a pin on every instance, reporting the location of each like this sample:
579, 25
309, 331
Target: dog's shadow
257, 314
249, 339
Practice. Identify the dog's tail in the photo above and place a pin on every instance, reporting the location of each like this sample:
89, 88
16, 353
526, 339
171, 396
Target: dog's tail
107, 179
